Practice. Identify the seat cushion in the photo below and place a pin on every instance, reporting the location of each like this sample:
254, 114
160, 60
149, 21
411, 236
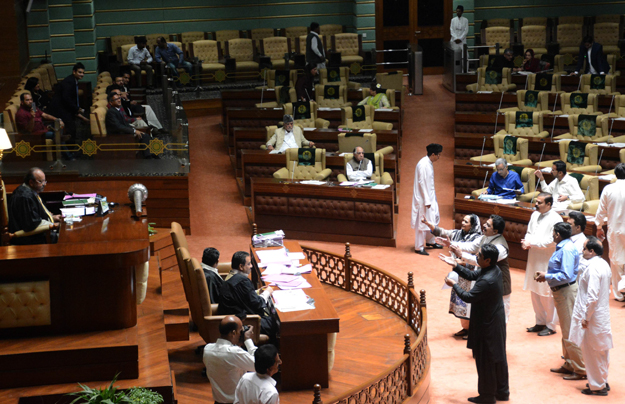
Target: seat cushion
279, 63
351, 59
213, 66
247, 66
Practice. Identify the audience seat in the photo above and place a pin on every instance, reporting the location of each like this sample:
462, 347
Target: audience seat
592, 104
556, 81
534, 37
589, 163
226, 35
151, 41
571, 19
262, 33
348, 120
601, 129
525, 99
312, 122
350, 47
481, 85
208, 52
332, 79
97, 120
368, 142
378, 176
514, 128
497, 35
291, 97
337, 93
187, 38
275, 47
242, 50
569, 37
9, 118
294, 170
295, 32
119, 40
390, 95
608, 34
528, 178
609, 87
519, 158
328, 30
44, 79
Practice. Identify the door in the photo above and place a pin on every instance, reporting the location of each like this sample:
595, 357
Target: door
401, 24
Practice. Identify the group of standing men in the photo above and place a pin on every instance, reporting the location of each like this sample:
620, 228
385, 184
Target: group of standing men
568, 280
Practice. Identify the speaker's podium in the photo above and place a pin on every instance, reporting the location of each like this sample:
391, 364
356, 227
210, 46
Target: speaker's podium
68, 311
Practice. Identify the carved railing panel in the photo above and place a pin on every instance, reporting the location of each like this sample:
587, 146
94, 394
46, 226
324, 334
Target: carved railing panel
380, 287
330, 267
392, 389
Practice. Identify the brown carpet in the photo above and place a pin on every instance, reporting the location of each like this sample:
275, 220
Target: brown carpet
218, 219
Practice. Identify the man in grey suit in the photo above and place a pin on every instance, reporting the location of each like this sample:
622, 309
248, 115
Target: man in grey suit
117, 122
288, 137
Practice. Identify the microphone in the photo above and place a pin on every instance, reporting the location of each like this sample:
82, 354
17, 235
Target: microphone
539, 161
138, 193
482, 152
262, 89
498, 113
485, 176
309, 98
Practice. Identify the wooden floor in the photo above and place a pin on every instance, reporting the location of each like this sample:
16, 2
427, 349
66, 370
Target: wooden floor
370, 340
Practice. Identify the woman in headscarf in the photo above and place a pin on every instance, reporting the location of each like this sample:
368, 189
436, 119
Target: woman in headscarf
40, 99
470, 231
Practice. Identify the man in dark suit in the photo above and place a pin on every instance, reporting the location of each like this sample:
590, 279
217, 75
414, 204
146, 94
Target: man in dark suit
487, 333
592, 53
65, 104
315, 54
117, 122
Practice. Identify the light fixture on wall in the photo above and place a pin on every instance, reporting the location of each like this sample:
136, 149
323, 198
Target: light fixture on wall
5, 142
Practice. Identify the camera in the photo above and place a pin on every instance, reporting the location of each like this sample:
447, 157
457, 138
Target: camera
243, 331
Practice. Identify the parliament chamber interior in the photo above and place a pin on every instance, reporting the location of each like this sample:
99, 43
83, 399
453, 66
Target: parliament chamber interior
158, 127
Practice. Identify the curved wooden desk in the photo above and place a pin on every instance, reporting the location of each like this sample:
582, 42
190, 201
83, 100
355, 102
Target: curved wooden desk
90, 273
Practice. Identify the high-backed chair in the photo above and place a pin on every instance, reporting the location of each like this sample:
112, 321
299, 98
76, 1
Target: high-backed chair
275, 47
330, 29
621, 154
118, 40
9, 118
209, 53
348, 141
588, 128
122, 54
579, 103
44, 82
275, 78
151, 40
607, 34
261, 33
528, 179
305, 115
108, 80
615, 18
542, 21
362, 117
524, 124
271, 130
337, 75
310, 165
97, 119
242, 50
513, 149
544, 82
598, 84
497, 35
295, 32
282, 95
529, 100
589, 185
534, 37
300, 44
571, 19
492, 80
579, 156
612, 58
350, 47
226, 35
330, 96
378, 175
569, 37
389, 92
98, 103
51, 73
189, 37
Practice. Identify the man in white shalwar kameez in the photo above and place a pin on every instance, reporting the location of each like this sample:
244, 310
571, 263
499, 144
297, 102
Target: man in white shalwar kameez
458, 29
577, 220
590, 324
539, 241
424, 203
612, 208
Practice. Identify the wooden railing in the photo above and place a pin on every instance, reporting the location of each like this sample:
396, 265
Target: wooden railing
408, 375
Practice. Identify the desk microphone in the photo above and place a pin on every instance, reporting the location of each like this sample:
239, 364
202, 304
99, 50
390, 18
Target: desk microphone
138, 193
482, 152
309, 98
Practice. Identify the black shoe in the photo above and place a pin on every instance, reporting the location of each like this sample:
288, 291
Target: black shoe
503, 397
602, 392
421, 252
462, 333
562, 370
536, 328
481, 399
546, 332
607, 386
435, 245
575, 376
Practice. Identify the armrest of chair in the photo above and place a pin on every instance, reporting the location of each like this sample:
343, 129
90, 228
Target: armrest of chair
224, 267
271, 104
282, 174
590, 206
524, 162
377, 125
353, 85
576, 206
263, 147
565, 136
322, 123
386, 179
589, 169
385, 150
486, 158
528, 196
510, 87
504, 110
472, 88
341, 178
618, 139
544, 164
543, 134
502, 132
323, 174
214, 307
476, 193
42, 228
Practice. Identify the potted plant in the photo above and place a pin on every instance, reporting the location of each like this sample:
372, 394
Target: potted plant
111, 395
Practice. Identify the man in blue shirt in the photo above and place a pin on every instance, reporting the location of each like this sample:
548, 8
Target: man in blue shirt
171, 55
504, 183
561, 276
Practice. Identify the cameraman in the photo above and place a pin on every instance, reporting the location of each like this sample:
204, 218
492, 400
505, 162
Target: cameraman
226, 361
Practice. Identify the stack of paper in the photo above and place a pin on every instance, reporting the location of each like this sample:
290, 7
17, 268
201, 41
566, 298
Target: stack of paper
286, 281
312, 182
273, 257
291, 300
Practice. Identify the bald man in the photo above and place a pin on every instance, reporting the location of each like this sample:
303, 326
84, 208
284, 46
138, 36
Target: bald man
226, 362
28, 214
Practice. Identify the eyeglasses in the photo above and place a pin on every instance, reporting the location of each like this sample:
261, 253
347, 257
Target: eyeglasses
44, 182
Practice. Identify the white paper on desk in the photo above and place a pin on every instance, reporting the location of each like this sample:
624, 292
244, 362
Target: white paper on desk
484, 92
493, 165
365, 130
90, 210
274, 269
619, 119
291, 300
342, 154
384, 109
603, 144
546, 170
76, 212
274, 151
293, 269
297, 256
79, 196
453, 276
273, 256
328, 109
275, 108
617, 144
608, 177
348, 183
308, 129
380, 186
506, 201
312, 182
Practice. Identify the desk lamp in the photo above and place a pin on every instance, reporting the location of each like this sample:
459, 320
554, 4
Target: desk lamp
5, 142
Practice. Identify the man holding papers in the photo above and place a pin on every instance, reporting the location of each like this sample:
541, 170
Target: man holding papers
238, 295
505, 183
564, 189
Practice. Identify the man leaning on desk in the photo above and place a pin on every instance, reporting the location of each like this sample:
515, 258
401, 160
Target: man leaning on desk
288, 137
505, 183
29, 219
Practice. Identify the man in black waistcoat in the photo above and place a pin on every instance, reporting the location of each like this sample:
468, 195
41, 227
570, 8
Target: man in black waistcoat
315, 54
487, 333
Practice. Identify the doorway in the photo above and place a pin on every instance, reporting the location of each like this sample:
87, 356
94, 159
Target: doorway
401, 24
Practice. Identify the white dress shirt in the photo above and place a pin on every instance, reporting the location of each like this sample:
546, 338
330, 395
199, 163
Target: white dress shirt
256, 389
590, 66
567, 187
459, 28
360, 174
540, 236
289, 142
471, 248
225, 365
136, 56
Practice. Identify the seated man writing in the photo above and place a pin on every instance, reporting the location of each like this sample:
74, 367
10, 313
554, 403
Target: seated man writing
27, 212
507, 184
564, 189
375, 99
238, 295
288, 137
359, 167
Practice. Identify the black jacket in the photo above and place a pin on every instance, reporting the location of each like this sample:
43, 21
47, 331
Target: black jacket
116, 124
597, 58
238, 296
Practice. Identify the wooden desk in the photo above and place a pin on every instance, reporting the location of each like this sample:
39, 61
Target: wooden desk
304, 334
324, 212
568, 83
253, 138
90, 273
262, 164
259, 118
517, 217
